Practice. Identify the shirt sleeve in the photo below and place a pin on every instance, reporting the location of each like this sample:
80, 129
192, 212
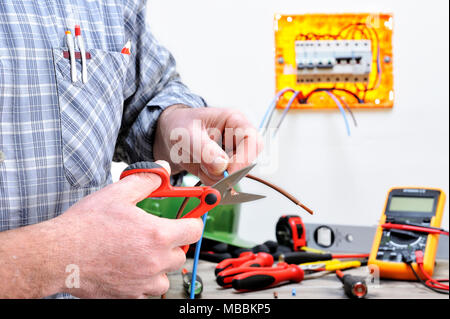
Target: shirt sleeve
153, 84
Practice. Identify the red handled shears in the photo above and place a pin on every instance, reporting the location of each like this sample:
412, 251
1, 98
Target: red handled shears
210, 196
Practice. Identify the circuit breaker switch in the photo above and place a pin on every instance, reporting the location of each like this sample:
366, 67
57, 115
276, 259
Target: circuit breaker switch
333, 61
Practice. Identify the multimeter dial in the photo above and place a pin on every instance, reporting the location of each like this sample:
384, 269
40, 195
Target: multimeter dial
394, 242
406, 206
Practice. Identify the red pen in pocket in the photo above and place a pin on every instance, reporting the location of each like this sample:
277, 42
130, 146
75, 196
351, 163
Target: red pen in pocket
127, 48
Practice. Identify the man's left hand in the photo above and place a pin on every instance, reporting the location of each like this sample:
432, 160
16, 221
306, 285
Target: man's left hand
206, 141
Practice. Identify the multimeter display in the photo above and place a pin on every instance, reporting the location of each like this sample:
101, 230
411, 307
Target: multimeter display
409, 206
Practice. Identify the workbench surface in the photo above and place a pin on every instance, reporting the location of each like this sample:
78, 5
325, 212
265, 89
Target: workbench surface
316, 286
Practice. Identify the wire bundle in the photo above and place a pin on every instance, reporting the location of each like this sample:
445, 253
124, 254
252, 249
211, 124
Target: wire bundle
297, 95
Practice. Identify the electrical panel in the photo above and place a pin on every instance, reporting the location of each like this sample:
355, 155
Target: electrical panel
350, 55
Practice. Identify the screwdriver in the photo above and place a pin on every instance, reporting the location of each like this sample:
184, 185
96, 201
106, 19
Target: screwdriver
354, 287
225, 278
301, 257
246, 259
261, 279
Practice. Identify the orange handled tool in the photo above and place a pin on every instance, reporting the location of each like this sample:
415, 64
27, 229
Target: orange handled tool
209, 196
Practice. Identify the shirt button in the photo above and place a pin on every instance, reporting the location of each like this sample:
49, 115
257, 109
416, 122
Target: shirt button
2, 157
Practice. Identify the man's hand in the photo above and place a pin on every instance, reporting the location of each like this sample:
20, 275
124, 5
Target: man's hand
120, 250
206, 141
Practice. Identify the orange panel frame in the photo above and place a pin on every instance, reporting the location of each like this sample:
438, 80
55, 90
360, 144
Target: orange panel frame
375, 27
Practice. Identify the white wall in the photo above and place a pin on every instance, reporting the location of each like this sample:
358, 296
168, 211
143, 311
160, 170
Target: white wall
224, 51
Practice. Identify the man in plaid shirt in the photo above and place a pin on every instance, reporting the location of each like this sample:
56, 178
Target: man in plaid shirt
59, 210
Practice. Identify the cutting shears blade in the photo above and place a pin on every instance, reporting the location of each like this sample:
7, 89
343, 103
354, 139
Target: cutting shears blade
228, 194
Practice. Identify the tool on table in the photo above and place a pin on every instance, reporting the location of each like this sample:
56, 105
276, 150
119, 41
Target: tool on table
80, 42
71, 46
302, 257
331, 265
290, 231
341, 265
246, 259
354, 286
410, 222
264, 260
187, 283
266, 278
209, 196
214, 257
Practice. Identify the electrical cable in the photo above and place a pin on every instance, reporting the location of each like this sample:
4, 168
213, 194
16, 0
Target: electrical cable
424, 283
281, 191
341, 108
349, 110
436, 283
198, 246
360, 101
286, 110
430, 281
415, 228
269, 113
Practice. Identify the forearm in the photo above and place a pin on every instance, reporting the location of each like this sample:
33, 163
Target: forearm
29, 262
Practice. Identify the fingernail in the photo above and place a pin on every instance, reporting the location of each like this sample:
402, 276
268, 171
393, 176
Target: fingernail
220, 165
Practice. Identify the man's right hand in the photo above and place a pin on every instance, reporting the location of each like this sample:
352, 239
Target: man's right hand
122, 251
119, 249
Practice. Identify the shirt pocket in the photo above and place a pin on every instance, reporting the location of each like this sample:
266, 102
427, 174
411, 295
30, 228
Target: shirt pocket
91, 114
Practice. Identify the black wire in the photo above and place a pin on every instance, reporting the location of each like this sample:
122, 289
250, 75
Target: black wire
333, 89
425, 284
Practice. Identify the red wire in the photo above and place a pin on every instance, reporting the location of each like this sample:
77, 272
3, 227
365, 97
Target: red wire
415, 228
434, 283
339, 273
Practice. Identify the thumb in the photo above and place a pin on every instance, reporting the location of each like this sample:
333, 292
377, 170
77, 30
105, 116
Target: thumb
137, 187
214, 160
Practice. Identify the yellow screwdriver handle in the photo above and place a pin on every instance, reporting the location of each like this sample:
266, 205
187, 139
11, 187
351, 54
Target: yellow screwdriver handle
343, 265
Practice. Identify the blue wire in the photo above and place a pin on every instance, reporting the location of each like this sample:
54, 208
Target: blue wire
286, 110
196, 258
268, 116
341, 108
198, 246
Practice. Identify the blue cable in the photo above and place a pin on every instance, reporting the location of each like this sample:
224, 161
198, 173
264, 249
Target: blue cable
341, 108
198, 246
268, 116
196, 258
286, 110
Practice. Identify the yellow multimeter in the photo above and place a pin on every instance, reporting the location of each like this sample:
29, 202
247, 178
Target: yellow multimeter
422, 207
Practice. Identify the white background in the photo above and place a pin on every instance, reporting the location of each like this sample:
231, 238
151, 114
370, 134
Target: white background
224, 51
